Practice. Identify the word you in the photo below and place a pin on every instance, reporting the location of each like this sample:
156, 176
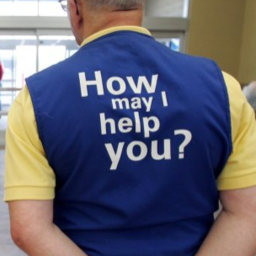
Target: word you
143, 151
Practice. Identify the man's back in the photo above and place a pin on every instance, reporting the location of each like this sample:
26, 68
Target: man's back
123, 154
123, 134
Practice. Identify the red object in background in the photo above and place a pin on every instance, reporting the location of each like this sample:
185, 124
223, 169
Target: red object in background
1, 71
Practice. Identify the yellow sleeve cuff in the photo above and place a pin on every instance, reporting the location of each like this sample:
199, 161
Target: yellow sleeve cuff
28, 193
237, 182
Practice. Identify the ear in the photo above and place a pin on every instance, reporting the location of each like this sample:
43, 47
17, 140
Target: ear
77, 11
76, 20
76, 14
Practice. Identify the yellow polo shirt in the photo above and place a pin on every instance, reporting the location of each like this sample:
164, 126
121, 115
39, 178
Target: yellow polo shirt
28, 175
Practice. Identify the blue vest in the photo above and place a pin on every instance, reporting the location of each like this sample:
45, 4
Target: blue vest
136, 135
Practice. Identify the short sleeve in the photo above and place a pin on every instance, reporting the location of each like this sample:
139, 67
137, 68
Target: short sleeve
28, 175
240, 170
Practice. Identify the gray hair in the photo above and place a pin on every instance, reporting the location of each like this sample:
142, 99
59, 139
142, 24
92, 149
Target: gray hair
116, 4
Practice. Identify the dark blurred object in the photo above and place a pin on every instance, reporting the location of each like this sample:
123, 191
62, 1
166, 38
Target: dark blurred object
250, 94
1, 71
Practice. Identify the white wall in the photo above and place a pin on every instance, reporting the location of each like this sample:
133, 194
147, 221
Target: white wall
165, 8
247, 68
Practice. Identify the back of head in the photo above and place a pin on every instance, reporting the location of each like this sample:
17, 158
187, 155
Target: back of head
116, 4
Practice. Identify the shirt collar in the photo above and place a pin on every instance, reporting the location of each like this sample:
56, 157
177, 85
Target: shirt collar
115, 29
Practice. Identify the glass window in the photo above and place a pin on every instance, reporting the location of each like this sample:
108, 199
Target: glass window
53, 49
173, 43
50, 8
167, 8
31, 8
18, 56
18, 8
6, 8
172, 40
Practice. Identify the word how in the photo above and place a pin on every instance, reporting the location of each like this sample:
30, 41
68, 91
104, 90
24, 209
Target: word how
117, 85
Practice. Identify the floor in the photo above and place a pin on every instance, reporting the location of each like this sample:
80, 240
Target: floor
7, 248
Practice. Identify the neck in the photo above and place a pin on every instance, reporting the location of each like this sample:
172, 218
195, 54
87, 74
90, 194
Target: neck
94, 23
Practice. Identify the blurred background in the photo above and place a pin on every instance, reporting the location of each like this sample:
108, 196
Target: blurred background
35, 34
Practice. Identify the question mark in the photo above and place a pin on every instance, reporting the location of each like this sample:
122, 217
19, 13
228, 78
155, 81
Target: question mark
188, 138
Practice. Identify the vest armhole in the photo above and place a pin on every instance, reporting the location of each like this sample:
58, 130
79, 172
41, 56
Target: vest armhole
37, 112
227, 105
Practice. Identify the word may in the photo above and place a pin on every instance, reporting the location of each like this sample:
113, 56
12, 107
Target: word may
137, 103
134, 103
126, 124
143, 151
119, 82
